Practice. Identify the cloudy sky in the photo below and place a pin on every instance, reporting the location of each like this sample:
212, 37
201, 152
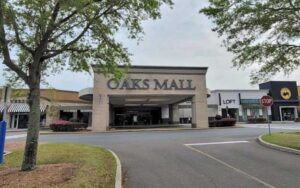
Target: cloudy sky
183, 37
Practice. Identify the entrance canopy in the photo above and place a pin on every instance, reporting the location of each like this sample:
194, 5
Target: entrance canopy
148, 95
147, 100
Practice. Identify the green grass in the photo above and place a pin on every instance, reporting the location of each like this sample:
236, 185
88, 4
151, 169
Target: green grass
97, 166
287, 139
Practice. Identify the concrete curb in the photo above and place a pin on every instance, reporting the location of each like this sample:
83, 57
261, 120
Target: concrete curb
277, 147
7, 153
118, 183
124, 130
138, 130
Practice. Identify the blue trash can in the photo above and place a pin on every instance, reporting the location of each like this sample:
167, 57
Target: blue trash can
2, 140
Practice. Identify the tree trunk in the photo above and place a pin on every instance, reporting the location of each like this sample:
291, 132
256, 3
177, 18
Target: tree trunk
30, 153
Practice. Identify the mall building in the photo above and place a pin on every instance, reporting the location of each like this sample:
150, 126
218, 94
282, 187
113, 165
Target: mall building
286, 99
155, 96
148, 96
238, 104
54, 104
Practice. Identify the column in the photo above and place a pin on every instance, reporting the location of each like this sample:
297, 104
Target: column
165, 114
241, 116
199, 111
75, 115
175, 112
100, 113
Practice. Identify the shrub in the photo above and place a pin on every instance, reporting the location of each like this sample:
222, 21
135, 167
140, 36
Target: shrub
225, 122
297, 120
66, 126
257, 120
218, 117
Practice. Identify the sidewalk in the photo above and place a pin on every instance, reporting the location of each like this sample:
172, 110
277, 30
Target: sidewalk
277, 125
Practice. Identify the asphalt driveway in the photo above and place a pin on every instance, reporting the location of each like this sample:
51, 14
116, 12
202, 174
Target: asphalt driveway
228, 157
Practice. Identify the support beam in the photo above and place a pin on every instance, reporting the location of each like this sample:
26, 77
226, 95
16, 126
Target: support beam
175, 118
199, 112
100, 113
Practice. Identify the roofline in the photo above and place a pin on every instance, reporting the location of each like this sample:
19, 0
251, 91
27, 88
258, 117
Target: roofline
278, 81
161, 67
165, 67
219, 90
146, 69
24, 89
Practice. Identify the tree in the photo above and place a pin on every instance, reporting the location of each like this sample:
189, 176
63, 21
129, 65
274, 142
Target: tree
39, 37
264, 33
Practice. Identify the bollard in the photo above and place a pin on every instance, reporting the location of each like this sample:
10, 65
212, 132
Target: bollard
2, 140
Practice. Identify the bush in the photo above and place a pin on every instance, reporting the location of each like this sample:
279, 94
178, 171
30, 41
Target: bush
218, 117
257, 120
297, 120
225, 122
66, 126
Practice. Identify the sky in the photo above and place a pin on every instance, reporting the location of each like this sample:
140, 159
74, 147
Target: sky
182, 37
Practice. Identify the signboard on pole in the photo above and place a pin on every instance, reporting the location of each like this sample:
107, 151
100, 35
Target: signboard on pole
267, 101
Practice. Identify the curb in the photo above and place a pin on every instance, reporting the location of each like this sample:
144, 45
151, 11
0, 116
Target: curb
277, 147
7, 152
118, 183
124, 130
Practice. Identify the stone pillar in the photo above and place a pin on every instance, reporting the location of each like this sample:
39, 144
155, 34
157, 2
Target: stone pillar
240, 114
111, 115
75, 115
199, 112
165, 115
90, 119
100, 113
52, 113
175, 114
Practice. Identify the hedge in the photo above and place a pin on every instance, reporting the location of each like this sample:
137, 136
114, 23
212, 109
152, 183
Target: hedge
257, 120
225, 122
68, 126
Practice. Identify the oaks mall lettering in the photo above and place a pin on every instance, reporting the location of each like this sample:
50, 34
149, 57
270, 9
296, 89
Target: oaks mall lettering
143, 84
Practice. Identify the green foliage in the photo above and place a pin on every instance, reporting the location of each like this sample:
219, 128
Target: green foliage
53, 35
97, 166
264, 33
286, 139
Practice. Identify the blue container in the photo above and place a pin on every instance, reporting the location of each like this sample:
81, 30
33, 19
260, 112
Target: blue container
2, 140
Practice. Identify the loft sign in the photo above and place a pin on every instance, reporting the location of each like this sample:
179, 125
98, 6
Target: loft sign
144, 84
229, 101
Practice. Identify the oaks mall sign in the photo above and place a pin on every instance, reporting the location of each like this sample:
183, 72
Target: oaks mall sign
145, 84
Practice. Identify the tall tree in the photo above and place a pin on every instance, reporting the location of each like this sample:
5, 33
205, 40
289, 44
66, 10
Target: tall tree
264, 33
38, 37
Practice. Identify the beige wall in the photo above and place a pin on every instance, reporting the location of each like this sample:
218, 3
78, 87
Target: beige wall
101, 93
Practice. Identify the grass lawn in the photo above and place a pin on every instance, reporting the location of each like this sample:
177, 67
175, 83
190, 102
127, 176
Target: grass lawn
95, 166
287, 139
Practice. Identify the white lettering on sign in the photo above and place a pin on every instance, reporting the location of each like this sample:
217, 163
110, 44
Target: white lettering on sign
266, 100
229, 101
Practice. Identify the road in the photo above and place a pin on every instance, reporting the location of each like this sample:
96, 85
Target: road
167, 159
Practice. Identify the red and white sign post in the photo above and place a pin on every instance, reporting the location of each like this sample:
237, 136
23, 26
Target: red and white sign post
267, 101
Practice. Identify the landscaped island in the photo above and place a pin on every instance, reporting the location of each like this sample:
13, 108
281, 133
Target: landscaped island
62, 165
286, 139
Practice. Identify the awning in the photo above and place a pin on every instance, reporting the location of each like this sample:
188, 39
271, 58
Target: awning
76, 108
23, 108
1, 107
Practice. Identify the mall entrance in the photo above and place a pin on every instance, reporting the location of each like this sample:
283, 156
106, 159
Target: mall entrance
137, 116
146, 111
